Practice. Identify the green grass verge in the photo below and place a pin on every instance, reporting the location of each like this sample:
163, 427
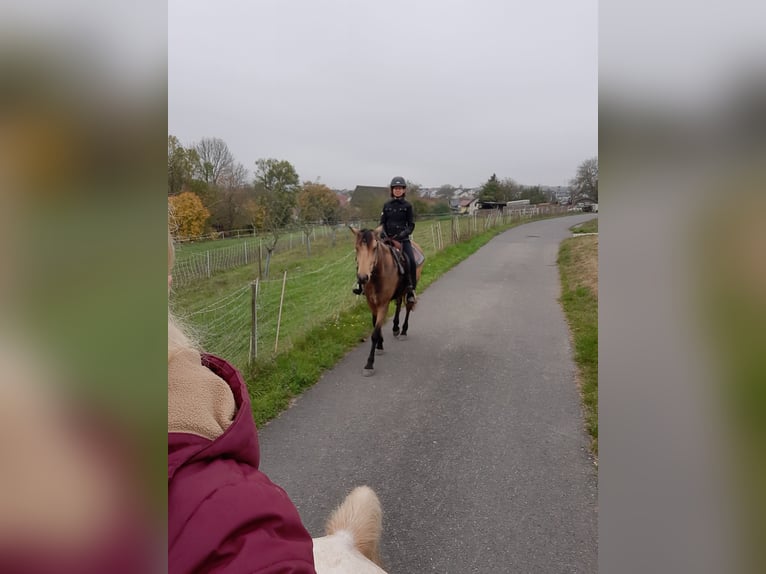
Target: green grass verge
590, 226
581, 309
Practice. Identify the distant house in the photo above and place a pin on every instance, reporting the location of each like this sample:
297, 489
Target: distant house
467, 206
369, 191
499, 205
367, 200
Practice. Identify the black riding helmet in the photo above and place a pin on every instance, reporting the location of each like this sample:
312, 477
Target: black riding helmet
397, 182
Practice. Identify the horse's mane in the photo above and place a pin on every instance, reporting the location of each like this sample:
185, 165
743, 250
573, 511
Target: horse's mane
367, 235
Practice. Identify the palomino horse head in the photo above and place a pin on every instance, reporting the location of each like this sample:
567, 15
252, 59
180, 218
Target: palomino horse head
367, 248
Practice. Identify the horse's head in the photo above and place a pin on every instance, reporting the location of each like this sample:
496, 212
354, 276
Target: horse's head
367, 245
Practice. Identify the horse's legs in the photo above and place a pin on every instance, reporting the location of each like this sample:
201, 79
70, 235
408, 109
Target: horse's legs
371, 358
377, 339
406, 320
380, 343
396, 316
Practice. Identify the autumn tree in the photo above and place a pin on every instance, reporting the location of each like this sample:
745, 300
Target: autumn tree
316, 203
188, 215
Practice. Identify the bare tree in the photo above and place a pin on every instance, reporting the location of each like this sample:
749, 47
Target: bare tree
215, 160
228, 208
446, 192
584, 185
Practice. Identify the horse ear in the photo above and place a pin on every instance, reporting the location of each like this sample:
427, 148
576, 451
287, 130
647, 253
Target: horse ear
378, 229
354, 230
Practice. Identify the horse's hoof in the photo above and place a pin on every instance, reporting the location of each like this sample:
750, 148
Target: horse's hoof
402, 337
368, 372
379, 351
396, 334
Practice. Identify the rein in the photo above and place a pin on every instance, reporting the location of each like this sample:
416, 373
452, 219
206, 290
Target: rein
375, 258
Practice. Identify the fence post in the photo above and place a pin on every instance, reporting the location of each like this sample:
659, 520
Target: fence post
208, 264
244, 245
433, 236
254, 323
279, 318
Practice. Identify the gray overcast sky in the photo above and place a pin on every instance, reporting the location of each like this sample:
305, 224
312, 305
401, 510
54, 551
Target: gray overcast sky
354, 92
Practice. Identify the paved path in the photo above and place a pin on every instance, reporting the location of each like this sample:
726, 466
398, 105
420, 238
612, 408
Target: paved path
470, 431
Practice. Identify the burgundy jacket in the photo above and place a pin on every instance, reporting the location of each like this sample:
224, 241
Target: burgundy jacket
224, 515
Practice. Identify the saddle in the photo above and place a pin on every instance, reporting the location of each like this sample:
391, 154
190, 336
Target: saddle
399, 256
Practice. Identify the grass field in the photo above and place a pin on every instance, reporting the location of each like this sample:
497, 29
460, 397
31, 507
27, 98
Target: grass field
321, 319
578, 267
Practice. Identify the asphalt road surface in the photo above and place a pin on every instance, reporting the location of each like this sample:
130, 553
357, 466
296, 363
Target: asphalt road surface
470, 431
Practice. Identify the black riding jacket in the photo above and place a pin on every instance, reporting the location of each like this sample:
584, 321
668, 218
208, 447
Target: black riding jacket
397, 218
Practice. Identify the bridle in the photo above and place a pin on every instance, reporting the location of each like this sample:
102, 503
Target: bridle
374, 257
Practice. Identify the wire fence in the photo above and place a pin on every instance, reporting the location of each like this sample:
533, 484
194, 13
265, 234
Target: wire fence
263, 317
196, 262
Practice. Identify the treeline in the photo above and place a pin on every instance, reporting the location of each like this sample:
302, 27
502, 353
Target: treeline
209, 190
583, 186
504, 190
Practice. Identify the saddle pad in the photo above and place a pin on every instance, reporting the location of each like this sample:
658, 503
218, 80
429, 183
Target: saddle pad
419, 255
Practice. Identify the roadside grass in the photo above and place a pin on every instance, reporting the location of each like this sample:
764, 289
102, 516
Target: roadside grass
578, 268
590, 226
732, 280
322, 322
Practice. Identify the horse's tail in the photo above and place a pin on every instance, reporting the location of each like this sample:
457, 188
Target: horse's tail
361, 517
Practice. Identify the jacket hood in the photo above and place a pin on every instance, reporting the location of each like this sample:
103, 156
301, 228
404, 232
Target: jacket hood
239, 441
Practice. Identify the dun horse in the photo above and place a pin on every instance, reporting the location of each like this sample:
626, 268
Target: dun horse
378, 273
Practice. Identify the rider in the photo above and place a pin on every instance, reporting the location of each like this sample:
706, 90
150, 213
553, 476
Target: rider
398, 223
